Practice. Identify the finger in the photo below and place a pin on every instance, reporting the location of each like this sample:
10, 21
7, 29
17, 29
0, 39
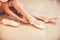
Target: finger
25, 21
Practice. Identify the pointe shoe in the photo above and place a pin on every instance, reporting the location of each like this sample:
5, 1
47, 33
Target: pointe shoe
10, 22
37, 23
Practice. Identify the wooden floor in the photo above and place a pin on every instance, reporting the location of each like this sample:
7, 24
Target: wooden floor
24, 32
28, 32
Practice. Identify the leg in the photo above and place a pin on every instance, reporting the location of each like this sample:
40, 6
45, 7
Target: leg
29, 16
46, 19
31, 19
8, 11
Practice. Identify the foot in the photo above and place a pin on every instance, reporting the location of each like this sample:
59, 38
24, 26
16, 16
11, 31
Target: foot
46, 19
37, 23
49, 19
10, 22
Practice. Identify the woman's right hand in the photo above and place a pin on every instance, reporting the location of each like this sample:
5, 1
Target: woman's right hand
25, 20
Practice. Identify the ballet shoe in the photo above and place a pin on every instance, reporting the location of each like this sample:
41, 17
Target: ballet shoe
37, 23
10, 22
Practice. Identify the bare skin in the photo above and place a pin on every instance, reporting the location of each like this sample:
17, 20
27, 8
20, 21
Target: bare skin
9, 12
22, 11
27, 18
17, 33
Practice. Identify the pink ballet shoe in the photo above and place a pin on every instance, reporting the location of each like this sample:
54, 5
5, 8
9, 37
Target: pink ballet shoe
37, 23
10, 22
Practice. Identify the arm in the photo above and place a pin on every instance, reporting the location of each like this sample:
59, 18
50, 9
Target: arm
9, 12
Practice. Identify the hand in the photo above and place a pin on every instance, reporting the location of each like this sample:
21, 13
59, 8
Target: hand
24, 20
